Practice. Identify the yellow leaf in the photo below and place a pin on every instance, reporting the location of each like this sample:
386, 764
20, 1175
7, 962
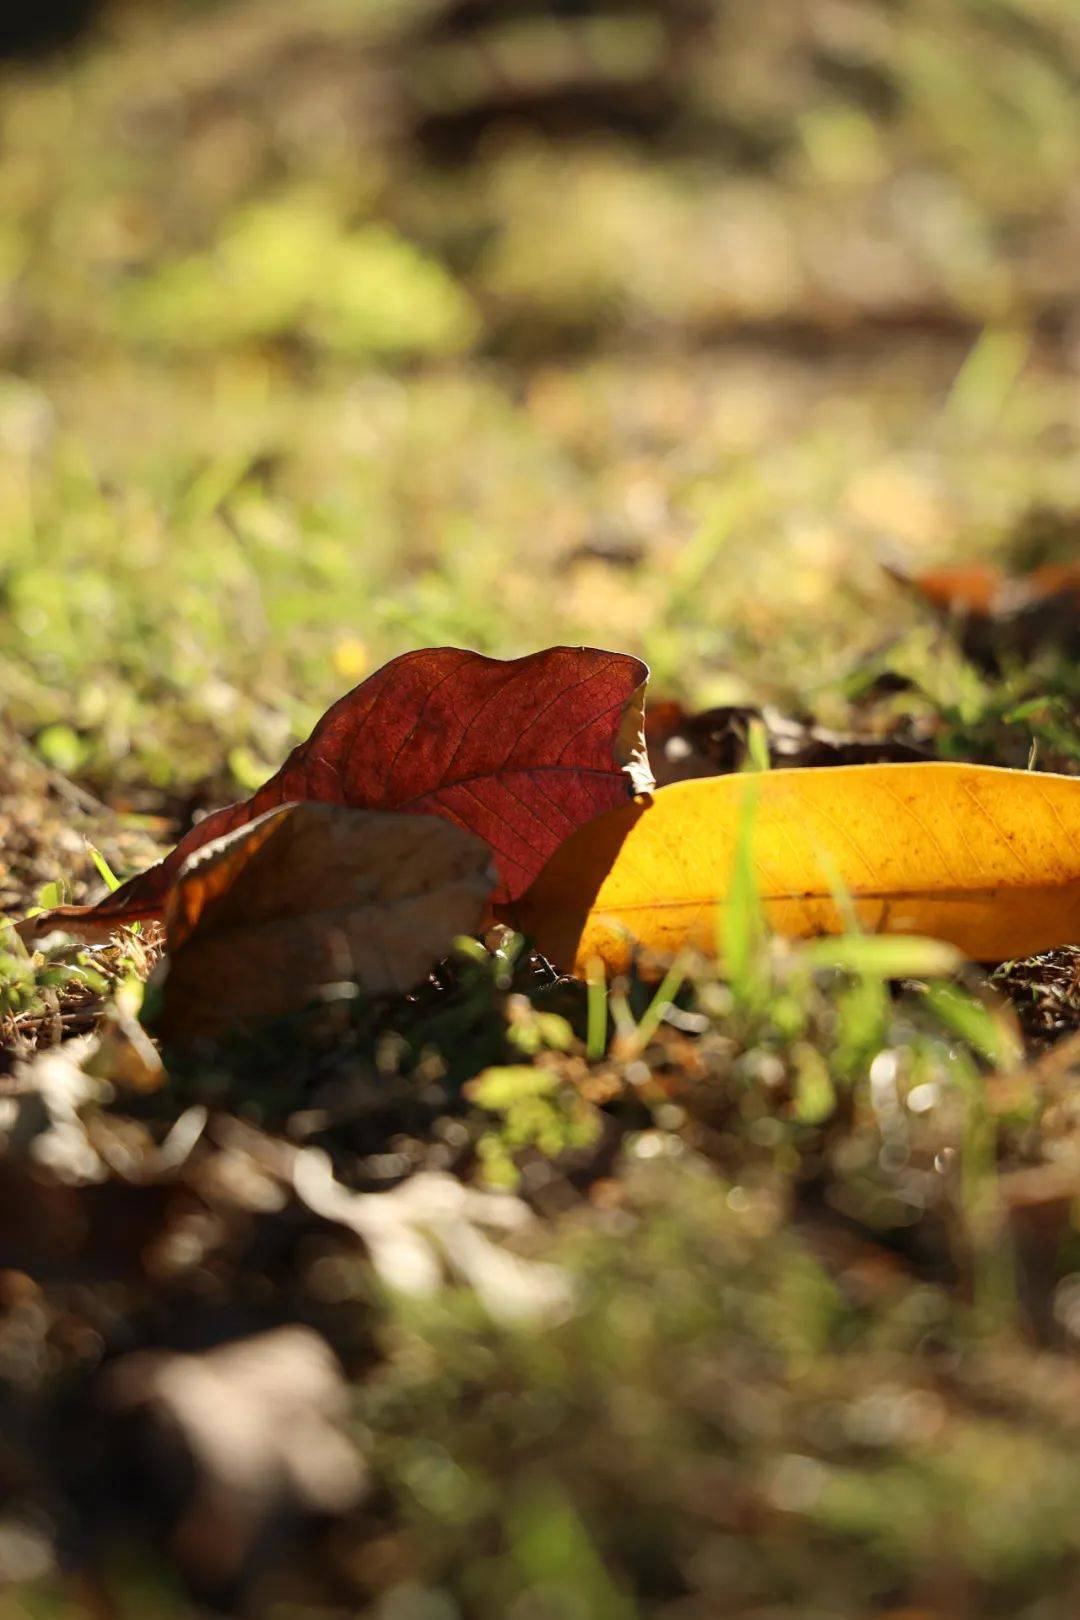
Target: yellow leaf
986, 859
312, 896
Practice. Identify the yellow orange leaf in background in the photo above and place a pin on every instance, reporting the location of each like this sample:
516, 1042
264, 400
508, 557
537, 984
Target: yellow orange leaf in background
983, 858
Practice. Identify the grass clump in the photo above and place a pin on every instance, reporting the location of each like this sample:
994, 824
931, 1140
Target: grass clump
789, 1294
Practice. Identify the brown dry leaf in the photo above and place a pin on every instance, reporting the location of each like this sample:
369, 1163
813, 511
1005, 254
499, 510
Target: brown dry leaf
983, 858
997, 612
715, 742
963, 590
982, 589
310, 895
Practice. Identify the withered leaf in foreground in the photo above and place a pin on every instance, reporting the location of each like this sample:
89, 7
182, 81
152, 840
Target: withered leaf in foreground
308, 896
521, 752
983, 858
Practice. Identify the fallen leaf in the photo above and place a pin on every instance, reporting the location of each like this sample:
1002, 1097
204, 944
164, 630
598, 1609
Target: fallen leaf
432, 1224
966, 588
983, 858
255, 1430
997, 612
310, 895
982, 588
521, 752
684, 746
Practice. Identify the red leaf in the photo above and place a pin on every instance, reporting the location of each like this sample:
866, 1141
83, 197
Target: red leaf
522, 752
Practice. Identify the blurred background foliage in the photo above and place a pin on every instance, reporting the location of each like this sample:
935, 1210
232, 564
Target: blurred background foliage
333, 329
330, 330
